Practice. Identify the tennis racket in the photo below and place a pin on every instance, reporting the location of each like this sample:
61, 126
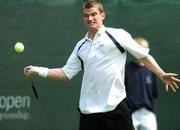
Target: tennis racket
26, 70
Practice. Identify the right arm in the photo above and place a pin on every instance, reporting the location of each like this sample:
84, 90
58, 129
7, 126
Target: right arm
72, 67
53, 73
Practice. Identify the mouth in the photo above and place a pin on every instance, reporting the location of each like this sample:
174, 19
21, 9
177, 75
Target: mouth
91, 23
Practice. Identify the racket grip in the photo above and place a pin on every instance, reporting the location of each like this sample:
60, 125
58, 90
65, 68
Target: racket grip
26, 69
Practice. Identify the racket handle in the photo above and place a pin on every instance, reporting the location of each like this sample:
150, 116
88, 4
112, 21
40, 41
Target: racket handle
34, 89
26, 70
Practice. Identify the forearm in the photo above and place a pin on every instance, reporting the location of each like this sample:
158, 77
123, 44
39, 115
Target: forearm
151, 64
57, 74
54, 73
169, 79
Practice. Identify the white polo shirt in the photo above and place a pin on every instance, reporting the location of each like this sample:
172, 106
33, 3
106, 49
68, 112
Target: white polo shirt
102, 86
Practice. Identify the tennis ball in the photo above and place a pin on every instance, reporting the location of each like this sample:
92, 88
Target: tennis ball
19, 47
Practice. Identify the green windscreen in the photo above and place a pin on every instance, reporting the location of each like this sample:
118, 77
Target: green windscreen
49, 30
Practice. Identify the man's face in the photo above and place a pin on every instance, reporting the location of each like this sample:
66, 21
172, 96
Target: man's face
93, 18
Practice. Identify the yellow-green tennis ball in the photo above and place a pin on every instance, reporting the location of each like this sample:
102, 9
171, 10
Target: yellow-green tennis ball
19, 47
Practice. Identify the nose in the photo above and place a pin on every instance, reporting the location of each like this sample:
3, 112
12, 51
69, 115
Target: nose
90, 18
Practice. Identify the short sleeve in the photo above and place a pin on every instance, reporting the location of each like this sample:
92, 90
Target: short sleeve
73, 65
130, 45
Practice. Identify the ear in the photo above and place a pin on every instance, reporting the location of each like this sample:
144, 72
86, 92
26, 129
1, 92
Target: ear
103, 15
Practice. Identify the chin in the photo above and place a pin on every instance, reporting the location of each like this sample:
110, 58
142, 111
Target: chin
92, 28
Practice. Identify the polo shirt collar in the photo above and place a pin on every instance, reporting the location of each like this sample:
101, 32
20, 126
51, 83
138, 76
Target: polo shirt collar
100, 32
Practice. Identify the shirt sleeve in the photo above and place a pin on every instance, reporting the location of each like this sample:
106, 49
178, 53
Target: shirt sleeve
135, 49
73, 65
130, 45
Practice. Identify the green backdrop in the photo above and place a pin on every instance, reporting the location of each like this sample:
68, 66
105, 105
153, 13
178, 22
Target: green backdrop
49, 31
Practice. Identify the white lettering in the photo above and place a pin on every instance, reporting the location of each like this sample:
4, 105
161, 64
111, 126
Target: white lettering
15, 115
14, 102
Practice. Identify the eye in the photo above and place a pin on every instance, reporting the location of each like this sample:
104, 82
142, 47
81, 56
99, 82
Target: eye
94, 14
85, 15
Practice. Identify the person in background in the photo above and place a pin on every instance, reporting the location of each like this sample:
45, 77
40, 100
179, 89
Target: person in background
101, 54
141, 88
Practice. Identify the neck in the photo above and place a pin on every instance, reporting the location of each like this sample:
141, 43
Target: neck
91, 34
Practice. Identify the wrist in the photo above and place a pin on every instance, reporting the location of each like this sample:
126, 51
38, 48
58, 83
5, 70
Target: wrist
43, 72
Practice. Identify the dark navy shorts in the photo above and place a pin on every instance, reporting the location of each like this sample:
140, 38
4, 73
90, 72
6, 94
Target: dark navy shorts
118, 119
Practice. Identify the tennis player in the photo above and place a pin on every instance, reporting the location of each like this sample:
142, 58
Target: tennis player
102, 102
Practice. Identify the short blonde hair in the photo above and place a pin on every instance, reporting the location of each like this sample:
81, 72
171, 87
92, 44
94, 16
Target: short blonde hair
92, 3
142, 41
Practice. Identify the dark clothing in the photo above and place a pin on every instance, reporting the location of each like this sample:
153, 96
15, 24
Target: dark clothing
118, 119
141, 87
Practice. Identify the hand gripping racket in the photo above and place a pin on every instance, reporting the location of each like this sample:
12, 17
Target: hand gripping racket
26, 70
